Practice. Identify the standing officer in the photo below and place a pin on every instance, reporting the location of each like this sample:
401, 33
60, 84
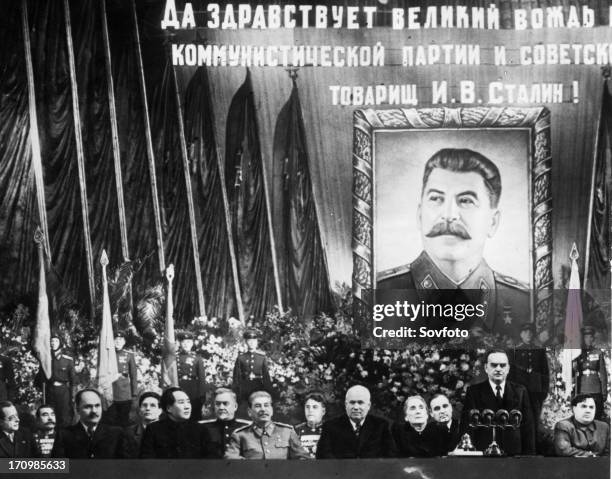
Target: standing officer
59, 386
251, 368
589, 371
264, 439
7, 379
191, 373
529, 367
125, 388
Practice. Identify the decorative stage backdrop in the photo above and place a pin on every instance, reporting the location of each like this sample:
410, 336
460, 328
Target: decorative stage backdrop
274, 154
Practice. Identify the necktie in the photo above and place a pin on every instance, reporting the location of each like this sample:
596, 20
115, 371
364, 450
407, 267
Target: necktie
90, 432
357, 429
498, 392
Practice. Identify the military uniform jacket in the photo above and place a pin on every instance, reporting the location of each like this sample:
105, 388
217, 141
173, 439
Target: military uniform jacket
309, 436
529, 367
251, 373
274, 441
217, 434
62, 371
44, 442
191, 374
8, 387
506, 301
590, 376
126, 386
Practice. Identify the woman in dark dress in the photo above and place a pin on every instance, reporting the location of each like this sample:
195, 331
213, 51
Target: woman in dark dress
415, 436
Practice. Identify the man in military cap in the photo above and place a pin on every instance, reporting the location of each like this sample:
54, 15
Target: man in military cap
309, 432
125, 388
59, 386
529, 367
264, 438
251, 368
191, 373
8, 387
458, 212
589, 371
219, 430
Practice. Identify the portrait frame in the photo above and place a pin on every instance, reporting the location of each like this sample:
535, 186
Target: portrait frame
535, 120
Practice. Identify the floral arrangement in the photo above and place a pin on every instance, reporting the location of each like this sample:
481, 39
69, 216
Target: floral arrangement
322, 353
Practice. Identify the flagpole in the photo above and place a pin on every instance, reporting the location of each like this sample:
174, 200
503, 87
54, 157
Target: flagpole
41, 340
169, 376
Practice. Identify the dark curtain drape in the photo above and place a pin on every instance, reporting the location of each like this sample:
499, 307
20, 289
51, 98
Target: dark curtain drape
599, 242
305, 280
58, 145
173, 196
18, 209
246, 195
208, 200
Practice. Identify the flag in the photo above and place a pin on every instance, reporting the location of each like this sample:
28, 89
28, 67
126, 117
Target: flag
169, 375
573, 323
107, 357
42, 330
597, 274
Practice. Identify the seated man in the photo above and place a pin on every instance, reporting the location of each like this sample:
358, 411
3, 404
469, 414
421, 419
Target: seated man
441, 411
89, 438
44, 437
218, 431
310, 431
14, 441
264, 438
414, 437
174, 436
149, 411
582, 435
356, 434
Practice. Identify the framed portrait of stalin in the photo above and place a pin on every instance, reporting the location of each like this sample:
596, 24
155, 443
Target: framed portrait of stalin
453, 205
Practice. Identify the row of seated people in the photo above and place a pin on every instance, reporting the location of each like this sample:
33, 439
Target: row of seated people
426, 432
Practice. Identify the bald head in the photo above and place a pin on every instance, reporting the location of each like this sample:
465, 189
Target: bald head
357, 403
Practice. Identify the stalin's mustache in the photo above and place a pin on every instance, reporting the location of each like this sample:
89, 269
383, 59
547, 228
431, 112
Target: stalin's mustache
448, 228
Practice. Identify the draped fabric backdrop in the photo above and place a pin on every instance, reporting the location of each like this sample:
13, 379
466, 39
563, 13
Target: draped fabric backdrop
245, 188
210, 213
301, 257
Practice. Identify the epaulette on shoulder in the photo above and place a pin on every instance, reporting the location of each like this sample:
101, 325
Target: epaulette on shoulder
388, 273
246, 426
302, 424
282, 424
261, 353
65, 356
510, 281
243, 421
207, 421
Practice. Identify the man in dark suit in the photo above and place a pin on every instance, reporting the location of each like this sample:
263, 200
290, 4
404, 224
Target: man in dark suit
14, 442
149, 410
497, 393
88, 438
175, 436
356, 434
441, 411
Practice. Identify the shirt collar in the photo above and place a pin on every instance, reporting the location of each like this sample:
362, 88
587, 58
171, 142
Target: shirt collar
494, 387
354, 424
590, 427
93, 429
267, 430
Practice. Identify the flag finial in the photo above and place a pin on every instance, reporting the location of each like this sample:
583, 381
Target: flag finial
574, 253
170, 272
104, 258
39, 238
